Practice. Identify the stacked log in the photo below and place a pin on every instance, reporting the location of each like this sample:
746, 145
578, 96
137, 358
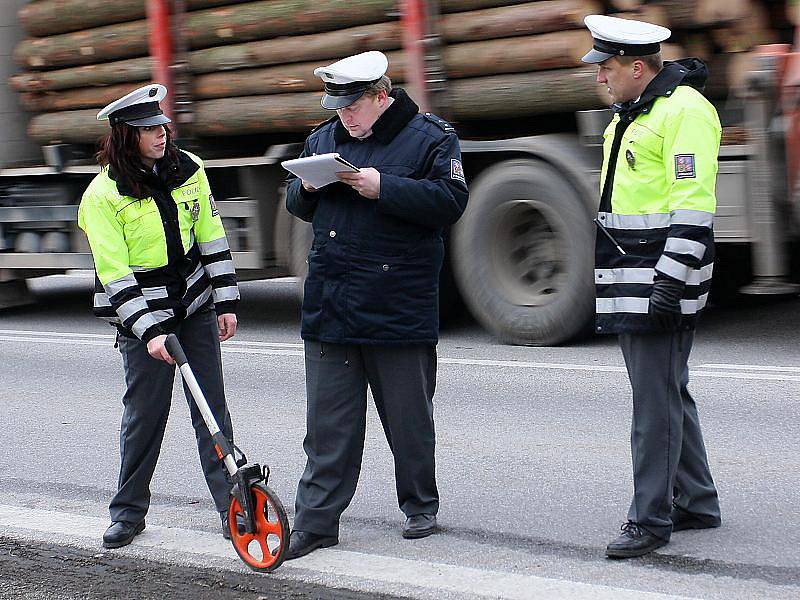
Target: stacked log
723, 33
252, 61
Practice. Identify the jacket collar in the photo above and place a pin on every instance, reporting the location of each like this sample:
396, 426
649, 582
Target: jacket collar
172, 175
389, 124
689, 71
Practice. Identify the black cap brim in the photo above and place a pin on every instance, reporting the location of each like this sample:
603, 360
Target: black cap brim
336, 102
595, 57
150, 121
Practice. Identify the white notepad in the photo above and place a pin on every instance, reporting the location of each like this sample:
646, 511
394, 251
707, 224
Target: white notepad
319, 170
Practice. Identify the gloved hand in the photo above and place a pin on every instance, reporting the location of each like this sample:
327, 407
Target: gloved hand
665, 303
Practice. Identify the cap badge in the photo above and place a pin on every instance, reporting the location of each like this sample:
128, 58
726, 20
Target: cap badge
152, 92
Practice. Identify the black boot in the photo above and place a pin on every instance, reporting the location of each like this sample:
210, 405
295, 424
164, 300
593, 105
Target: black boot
683, 519
419, 526
226, 530
304, 542
121, 533
634, 541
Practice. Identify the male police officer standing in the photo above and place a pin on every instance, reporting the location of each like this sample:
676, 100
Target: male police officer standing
370, 310
654, 257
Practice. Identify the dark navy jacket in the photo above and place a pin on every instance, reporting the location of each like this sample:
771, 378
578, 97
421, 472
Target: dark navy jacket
373, 268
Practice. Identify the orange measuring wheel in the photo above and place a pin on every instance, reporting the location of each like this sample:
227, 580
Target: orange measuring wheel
265, 549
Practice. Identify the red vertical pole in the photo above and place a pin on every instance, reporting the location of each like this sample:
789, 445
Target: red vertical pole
791, 94
414, 27
160, 39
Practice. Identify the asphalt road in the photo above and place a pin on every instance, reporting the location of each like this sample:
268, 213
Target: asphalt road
533, 458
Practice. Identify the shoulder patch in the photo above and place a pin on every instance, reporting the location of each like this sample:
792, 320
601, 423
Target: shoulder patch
457, 170
684, 166
439, 122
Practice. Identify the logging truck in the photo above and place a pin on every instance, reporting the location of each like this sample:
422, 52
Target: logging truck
506, 73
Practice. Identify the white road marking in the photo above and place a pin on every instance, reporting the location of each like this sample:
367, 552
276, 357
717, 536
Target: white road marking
752, 368
425, 576
716, 371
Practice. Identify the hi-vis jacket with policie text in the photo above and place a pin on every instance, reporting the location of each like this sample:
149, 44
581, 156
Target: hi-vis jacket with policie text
158, 259
658, 200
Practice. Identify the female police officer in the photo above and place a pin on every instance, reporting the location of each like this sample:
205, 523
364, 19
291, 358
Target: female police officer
162, 265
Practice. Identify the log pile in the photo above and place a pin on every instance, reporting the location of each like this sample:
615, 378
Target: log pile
724, 33
251, 61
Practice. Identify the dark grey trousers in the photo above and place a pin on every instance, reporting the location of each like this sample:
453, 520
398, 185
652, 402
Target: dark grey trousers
402, 380
147, 402
669, 456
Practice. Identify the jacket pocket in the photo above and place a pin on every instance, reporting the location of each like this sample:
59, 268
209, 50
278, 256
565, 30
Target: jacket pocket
313, 290
392, 293
143, 231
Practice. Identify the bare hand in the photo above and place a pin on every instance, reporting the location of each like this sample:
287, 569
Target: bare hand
227, 326
307, 186
366, 182
157, 350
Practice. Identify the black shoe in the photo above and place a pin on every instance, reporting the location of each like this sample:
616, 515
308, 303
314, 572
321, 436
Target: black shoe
304, 542
683, 519
634, 541
121, 533
226, 531
419, 526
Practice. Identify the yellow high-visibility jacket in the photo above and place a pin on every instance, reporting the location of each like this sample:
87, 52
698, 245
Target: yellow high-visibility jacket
657, 201
157, 259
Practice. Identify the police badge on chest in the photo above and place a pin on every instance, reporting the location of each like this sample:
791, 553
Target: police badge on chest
195, 211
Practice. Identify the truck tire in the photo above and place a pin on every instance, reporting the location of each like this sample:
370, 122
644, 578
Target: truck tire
523, 254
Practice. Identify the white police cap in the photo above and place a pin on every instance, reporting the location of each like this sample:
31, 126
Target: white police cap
140, 108
622, 37
346, 80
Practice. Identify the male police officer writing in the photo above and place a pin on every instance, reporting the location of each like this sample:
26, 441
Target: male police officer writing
370, 311
162, 265
657, 205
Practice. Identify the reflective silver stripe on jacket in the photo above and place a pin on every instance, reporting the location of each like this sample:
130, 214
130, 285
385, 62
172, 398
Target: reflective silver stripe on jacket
119, 285
214, 246
650, 221
221, 267
628, 304
131, 307
224, 294
143, 323
162, 315
101, 300
684, 246
673, 268
155, 293
199, 301
195, 277
646, 275
701, 218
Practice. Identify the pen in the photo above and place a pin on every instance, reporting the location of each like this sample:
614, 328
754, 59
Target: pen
609, 236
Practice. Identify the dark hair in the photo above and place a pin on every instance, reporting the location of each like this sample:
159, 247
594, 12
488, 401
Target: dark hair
653, 61
119, 149
384, 83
